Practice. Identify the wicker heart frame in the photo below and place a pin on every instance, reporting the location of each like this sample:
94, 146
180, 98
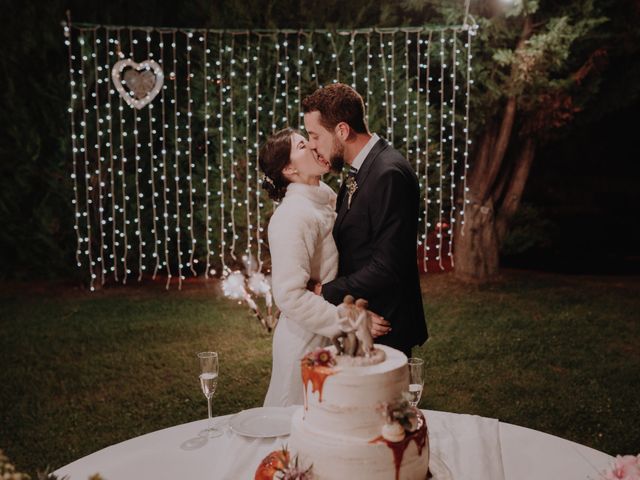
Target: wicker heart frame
144, 83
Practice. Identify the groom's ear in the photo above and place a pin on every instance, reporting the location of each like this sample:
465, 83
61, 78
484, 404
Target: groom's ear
343, 130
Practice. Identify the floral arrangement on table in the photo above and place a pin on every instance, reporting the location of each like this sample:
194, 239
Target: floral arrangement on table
279, 465
625, 467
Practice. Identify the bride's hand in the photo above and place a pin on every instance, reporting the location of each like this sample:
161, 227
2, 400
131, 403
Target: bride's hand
314, 286
379, 326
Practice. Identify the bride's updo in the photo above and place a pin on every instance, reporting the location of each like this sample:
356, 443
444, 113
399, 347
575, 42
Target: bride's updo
275, 154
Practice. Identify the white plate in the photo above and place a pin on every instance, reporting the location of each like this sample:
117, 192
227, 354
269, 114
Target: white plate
263, 422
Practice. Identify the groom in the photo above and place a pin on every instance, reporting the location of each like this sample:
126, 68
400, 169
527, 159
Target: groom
377, 223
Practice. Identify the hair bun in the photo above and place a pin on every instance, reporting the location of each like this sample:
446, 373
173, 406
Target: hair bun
273, 157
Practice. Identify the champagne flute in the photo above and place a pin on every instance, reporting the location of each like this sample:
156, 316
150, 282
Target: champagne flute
416, 380
208, 383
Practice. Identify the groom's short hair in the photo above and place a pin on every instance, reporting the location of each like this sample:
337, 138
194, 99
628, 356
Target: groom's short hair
337, 103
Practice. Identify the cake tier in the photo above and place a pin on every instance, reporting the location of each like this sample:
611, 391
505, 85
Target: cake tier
335, 457
351, 396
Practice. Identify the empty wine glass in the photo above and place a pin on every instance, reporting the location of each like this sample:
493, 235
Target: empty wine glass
208, 383
416, 380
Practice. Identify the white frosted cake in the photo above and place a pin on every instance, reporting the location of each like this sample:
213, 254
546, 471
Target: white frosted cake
341, 431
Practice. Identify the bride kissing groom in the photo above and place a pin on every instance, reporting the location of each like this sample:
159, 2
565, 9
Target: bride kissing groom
360, 242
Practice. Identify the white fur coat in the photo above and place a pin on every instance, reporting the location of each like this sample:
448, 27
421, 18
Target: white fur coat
302, 248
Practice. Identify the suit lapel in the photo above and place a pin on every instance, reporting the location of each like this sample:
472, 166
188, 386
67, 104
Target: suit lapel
361, 177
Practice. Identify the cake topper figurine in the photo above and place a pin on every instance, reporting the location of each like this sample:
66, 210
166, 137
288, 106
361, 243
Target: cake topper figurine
355, 338
346, 341
363, 328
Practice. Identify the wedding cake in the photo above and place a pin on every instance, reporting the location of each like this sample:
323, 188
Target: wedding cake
355, 423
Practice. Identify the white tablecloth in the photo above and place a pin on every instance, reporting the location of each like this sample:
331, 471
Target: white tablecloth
462, 447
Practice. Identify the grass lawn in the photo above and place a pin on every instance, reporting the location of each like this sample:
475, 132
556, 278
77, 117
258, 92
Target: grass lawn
82, 371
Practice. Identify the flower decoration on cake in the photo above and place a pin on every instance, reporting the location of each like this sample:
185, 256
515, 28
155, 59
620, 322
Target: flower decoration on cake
404, 424
316, 366
279, 465
625, 467
401, 418
319, 358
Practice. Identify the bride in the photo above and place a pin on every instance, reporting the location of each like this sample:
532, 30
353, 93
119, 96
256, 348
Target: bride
302, 251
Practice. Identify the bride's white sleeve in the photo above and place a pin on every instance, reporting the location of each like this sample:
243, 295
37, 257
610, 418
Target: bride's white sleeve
293, 239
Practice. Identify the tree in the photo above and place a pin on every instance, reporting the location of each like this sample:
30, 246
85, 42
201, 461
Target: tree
530, 87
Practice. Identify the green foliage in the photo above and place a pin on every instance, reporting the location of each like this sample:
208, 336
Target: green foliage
34, 198
529, 230
543, 65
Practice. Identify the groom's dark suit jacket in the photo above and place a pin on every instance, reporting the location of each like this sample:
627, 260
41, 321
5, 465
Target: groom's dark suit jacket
376, 240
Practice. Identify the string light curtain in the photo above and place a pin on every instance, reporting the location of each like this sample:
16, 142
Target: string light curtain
173, 188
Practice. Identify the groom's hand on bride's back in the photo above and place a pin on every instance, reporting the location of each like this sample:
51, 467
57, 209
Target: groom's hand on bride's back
379, 326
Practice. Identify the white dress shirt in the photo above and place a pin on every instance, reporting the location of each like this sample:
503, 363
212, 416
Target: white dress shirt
357, 162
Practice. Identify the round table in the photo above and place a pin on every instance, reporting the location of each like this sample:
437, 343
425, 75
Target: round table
470, 447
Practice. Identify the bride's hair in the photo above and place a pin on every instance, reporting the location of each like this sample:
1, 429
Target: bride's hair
275, 154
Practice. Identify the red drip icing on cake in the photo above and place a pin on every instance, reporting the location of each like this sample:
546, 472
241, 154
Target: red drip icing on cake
316, 375
419, 436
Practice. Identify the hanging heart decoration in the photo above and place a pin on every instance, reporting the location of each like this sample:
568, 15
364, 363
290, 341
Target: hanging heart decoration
143, 80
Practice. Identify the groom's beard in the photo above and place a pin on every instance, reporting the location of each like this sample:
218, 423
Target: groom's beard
337, 157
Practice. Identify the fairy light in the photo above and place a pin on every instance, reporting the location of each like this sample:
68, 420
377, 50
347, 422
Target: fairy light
454, 149
276, 81
192, 190
205, 89
314, 62
108, 223
285, 81
407, 89
136, 153
386, 102
98, 171
164, 177
247, 110
176, 165
335, 57
85, 152
427, 187
299, 67
74, 148
112, 194
152, 171
416, 138
467, 142
368, 78
258, 109
123, 174
223, 180
392, 93
352, 41
443, 140
232, 156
